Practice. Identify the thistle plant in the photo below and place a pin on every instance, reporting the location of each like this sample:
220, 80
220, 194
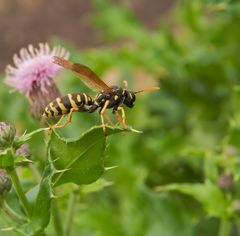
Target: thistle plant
75, 162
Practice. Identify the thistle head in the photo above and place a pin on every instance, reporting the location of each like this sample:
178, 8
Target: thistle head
33, 75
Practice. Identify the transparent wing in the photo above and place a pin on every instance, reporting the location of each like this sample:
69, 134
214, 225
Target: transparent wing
84, 73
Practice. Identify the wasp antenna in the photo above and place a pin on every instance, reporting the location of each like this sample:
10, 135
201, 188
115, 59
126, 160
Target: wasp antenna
62, 62
148, 89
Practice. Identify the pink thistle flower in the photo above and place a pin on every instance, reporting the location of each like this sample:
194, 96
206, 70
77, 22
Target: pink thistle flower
34, 68
33, 75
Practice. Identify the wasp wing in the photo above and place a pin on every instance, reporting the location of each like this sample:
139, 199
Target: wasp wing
86, 74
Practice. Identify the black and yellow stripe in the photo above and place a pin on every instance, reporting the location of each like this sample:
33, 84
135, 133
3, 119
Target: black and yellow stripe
63, 105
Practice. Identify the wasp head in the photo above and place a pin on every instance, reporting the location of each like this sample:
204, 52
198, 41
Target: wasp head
129, 98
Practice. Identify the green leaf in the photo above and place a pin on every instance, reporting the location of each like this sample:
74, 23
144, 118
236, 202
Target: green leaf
210, 167
6, 159
41, 208
80, 161
209, 195
97, 186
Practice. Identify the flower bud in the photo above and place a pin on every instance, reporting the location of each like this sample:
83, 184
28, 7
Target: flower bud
7, 135
24, 151
25, 154
225, 182
5, 182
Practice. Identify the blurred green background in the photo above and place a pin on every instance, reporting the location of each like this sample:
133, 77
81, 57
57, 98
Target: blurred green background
170, 179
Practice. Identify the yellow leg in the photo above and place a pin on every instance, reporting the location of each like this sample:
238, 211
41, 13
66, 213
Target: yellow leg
69, 118
123, 117
102, 113
103, 124
109, 120
119, 119
57, 125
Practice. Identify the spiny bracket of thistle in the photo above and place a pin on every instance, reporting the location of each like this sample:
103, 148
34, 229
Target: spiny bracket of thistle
80, 160
27, 136
9, 143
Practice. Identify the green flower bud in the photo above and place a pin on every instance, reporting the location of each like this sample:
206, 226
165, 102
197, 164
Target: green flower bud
5, 182
7, 135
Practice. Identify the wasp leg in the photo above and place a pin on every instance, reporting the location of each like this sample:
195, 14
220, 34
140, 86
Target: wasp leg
102, 111
69, 119
109, 120
119, 119
57, 125
123, 117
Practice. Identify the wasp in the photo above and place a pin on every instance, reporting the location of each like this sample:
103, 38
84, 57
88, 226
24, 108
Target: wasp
107, 98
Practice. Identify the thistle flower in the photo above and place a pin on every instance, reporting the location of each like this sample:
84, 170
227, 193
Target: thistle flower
33, 75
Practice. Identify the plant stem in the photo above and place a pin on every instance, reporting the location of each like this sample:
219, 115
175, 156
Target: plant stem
70, 211
225, 227
11, 213
19, 190
56, 219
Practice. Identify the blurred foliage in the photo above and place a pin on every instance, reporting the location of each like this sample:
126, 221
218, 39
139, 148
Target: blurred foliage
170, 179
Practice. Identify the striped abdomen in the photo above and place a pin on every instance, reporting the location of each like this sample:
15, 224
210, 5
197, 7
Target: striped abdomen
63, 105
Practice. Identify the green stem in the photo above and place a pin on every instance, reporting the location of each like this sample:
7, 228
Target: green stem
225, 227
56, 219
70, 211
19, 190
11, 213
